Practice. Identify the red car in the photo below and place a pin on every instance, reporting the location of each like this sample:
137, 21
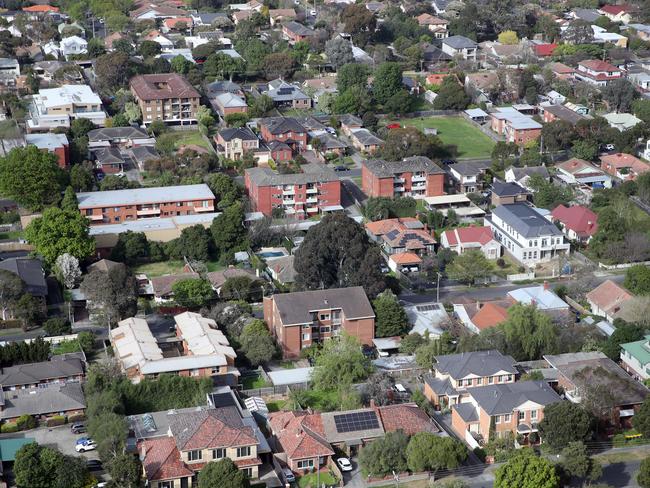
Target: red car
394, 126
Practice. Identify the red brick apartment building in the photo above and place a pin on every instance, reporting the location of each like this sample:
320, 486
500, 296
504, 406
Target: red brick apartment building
167, 97
56, 144
416, 177
301, 195
284, 129
298, 320
109, 207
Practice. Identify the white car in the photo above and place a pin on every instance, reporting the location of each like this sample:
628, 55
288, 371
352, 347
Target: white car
89, 445
312, 12
399, 388
610, 147
344, 464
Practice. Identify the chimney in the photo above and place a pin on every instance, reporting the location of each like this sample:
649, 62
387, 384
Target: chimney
546, 285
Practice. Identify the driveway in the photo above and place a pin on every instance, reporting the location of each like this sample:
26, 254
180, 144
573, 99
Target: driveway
354, 478
59, 437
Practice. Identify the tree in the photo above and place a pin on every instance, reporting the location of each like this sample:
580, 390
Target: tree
195, 243
565, 422
451, 95
429, 452
242, 288
557, 135
354, 100
192, 292
508, 37
11, 289
224, 474
81, 178
641, 419
278, 65
643, 476
57, 326
410, 343
469, 266
225, 189
637, 279
378, 388
256, 343
400, 103
426, 353
228, 231
113, 294
619, 95
548, 195
59, 232
579, 32
339, 364
529, 332
29, 470
526, 470
69, 202
95, 48
113, 71
28, 310
125, 470
67, 270
576, 462
359, 22
385, 455
388, 81
625, 332
338, 253
352, 74
30, 177
38, 466
339, 51
410, 141
131, 247
391, 319
261, 106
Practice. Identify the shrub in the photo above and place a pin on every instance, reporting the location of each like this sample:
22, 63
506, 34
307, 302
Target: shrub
619, 440
26, 422
9, 428
76, 417
533, 437
480, 453
501, 263
55, 420
57, 326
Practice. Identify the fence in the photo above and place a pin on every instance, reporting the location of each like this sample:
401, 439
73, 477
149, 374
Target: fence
521, 276
622, 266
266, 391
406, 478
52, 340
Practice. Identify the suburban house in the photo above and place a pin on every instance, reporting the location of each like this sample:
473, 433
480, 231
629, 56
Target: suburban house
465, 210
597, 72
460, 46
618, 13
509, 193
467, 177
561, 71
73, 46
294, 32
301, 195
579, 172
168, 97
56, 107
521, 176
56, 144
416, 176
365, 141
577, 222
66, 399
621, 121
496, 411
9, 72
470, 238
121, 137
232, 143
30, 271
284, 129
195, 437
59, 370
435, 24
109, 160
227, 104
635, 358
544, 299
286, 94
454, 374
623, 166
299, 319
514, 126
477, 316
198, 350
526, 235
608, 299
162, 286
103, 207
150, 11
591, 375
281, 15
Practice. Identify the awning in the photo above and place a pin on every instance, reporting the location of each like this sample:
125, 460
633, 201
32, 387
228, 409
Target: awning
524, 428
626, 413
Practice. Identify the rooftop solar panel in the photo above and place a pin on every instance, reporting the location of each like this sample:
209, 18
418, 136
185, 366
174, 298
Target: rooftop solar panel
356, 421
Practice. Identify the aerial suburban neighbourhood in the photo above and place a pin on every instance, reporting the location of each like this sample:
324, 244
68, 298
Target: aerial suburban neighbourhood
294, 244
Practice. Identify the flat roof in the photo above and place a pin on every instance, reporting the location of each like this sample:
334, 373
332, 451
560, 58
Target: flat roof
445, 199
149, 224
290, 376
144, 195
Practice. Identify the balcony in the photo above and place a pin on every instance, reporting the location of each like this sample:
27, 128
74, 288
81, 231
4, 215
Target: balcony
312, 209
311, 191
95, 217
418, 178
399, 189
288, 192
312, 200
148, 211
398, 180
204, 209
289, 202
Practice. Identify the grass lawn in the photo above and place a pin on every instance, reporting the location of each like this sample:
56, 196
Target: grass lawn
253, 381
470, 141
311, 480
159, 269
12, 234
186, 137
276, 405
321, 400
66, 347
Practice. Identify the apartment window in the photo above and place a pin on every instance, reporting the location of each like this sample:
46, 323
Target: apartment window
507, 417
218, 453
305, 464
306, 337
533, 415
522, 416
89, 211
325, 329
194, 455
248, 471
306, 326
194, 372
490, 380
148, 109
243, 451
117, 219
324, 316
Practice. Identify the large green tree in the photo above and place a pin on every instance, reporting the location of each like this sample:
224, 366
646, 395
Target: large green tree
192, 292
451, 95
577, 463
11, 289
387, 81
565, 422
637, 279
470, 266
38, 466
58, 232
339, 364
337, 253
385, 455
641, 419
228, 231
353, 74
430, 452
526, 470
256, 343
224, 474
391, 319
31, 177
131, 247
112, 294
625, 332
529, 332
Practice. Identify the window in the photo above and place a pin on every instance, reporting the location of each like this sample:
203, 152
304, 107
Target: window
507, 417
490, 380
194, 455
243, 451
165, 484
522, 416
509, 377
306, 464
248, 471
305, 337
89, 211
497, 419
324, 316
533, 415
218, 453
324, 329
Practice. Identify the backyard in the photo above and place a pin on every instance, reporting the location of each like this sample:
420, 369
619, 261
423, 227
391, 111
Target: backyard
170, 267
188, 137
469, 140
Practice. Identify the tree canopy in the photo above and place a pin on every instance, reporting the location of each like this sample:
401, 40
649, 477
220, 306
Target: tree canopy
340, 364
469, 267
430, 452
385, 455
526, 470
529, 332
224, 474
391, 319
637, 279
113, 294
565, 422
192, 292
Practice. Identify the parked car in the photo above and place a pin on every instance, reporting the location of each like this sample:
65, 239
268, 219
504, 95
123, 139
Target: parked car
288, 475
344, 464
448, 161
399, 388
83, 440
78, 428
93, 464
87, 446
341, 168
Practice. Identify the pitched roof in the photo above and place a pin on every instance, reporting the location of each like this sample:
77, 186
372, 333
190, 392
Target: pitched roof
381, 227
111, 133
202, 336
218, 278
615, 9
299, 29
543, 298
490, 315
405, 258
622, 160
385, 169
460, 42
480, 363
563, 113
210, 429
282, 125
162, 87
467, 235
162, 461
561, 68
504, 398
609, 296
544, 49
575, 165
243, 133
579, 219
407, 417
32, 373
40, 8
503, 189
300, 434
54, 398
162, 285
30, 271
526, 220
311, 173
598, 65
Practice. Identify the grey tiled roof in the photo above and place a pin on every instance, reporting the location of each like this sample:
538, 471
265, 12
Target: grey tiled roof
108, 155
243, 133
525, 220
312, 173
53, 399
110, 133
504, 398
30, 271
467, 412
382, 168
440, 386
299, 29
281, 125
184, 426
460, 42
530, 171
26, 374
503, 189
365, 137
480, 363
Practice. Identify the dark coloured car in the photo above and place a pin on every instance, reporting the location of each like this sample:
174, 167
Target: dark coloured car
94, 464
448, 161
78, 428
341, 168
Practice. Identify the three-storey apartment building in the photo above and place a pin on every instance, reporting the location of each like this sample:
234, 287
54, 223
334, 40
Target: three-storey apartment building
525, 234
301, 195
298, 320
56, 107
416, 177
109, 207
168, 97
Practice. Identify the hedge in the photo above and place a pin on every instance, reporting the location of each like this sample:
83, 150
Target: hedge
55, 420
26, 422
9, 428
76, 417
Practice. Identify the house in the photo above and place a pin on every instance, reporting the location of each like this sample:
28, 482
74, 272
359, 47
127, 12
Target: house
109, 160
435, 24
608, 299
299, 319
543, 298
416, 176
286, 94
350, 123
295, 32
471, 238
194, 438
167, 97
526, 235
455, 374
618, 13
577, 222
226, 104
120, 137
434, 58
223, 86
597, 72
103, 207
9, 72
514, 126
56, 107
466, 210
482, 86
477, 316
623, 166
218, 278
642, 30
162, 286
232, 143
301, 195
460, 46
56, 144
141, 155
150, 11
282, 269
365, 141
65, 400
177, 24
110, 39
579, 172
521, 176
59, 370
496, 411
635, 358
284, 129
73, 46
561, 71
551, 113
467, 176
317, 87
30, 271
280, 15
544, 50
199, 349
590, 15
621, 121
592, 375
509, 193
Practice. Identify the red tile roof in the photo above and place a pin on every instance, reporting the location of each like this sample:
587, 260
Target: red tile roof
381, 227
407, 417
544, 49
615, 162
162, 87
214, 433
490, 315
615, 9
41, 8
598, 65
579, 219
300, 434
466, 235
609, 296
405, 258
171, 23
162, 461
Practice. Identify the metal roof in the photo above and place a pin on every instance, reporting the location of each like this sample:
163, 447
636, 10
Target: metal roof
139, 196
